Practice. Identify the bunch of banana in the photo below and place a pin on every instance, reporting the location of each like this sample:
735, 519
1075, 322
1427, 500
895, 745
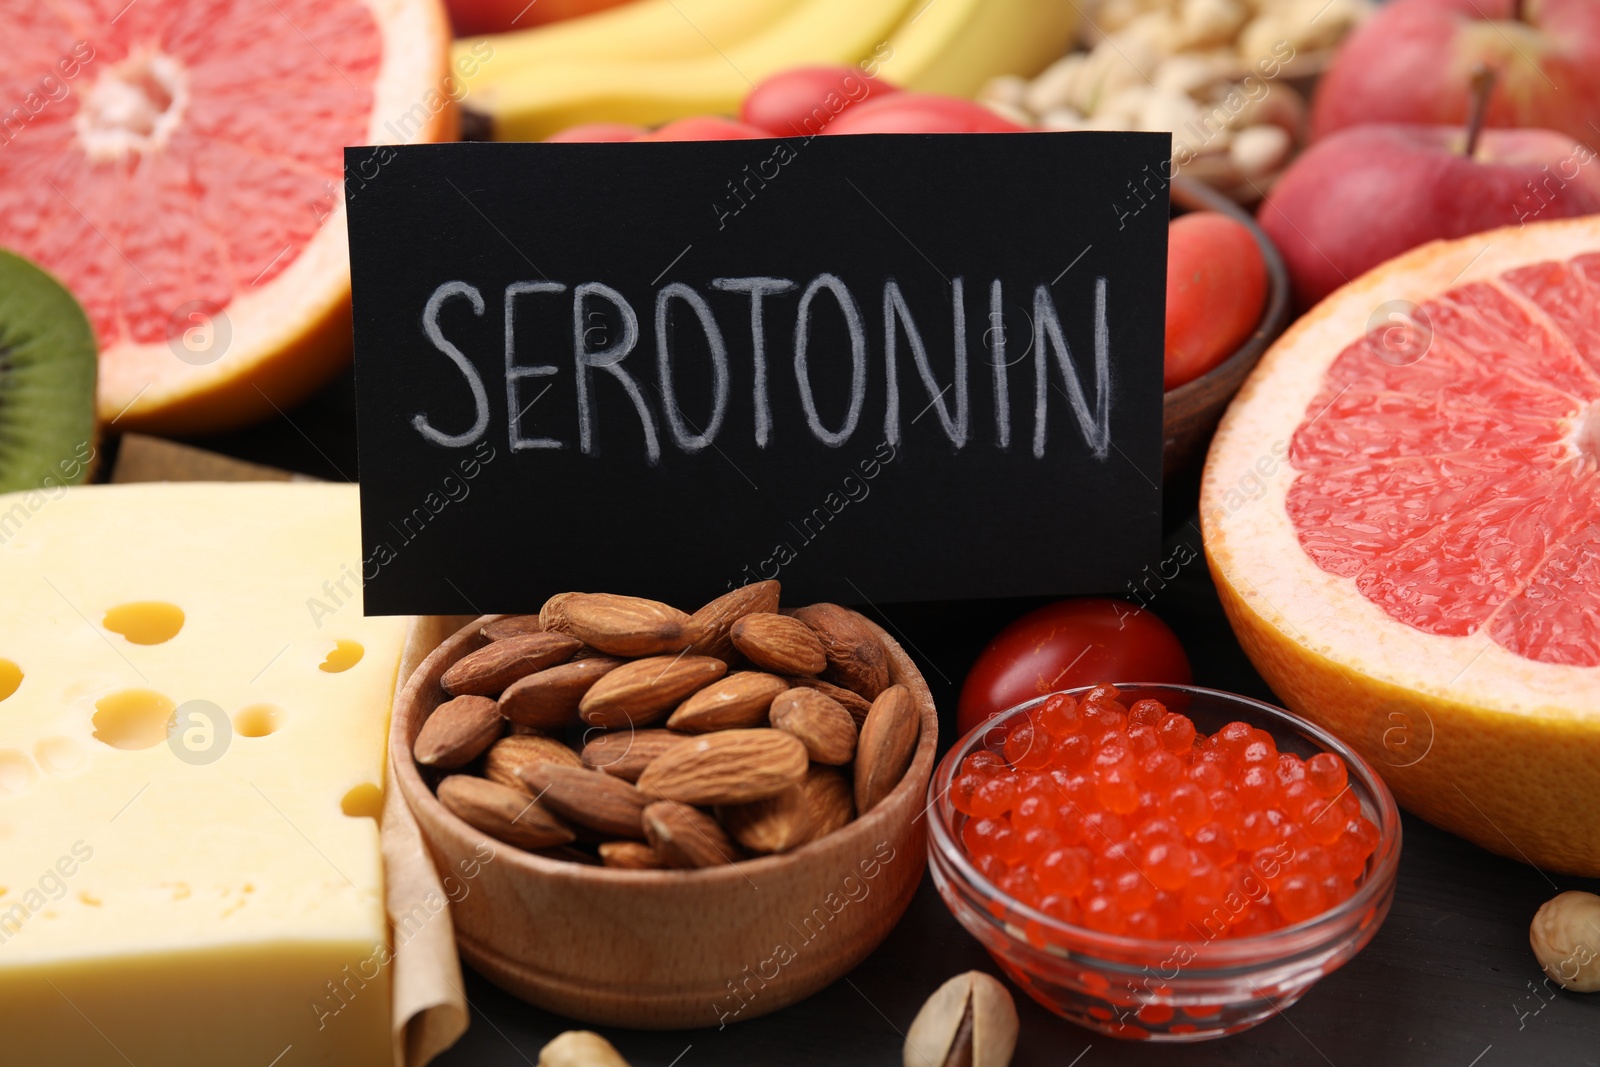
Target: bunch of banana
653, 61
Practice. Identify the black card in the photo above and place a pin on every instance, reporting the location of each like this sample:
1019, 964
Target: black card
878, 368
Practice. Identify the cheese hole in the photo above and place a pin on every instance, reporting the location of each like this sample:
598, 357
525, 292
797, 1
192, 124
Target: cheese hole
10, 678
132, 718
16, 772
59, 755
258, 720
345, 654
145, 622
364, 801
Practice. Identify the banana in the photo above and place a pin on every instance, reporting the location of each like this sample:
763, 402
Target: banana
548, 97
642, 29
954, 46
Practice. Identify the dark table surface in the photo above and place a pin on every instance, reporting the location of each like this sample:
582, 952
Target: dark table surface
1449, 979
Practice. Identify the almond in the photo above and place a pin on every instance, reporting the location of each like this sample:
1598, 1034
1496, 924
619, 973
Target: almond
642, 691
687, 837
727, 767
548, 699
511, 626
856, 704
588, 798
829, 803
778, 643
626, 753
626, 625
776, 824
856, 657
737, 701
509, 754
888, 741
496, 665
552, 618
502, 812
713, 621
820, 722
630, 856
458, 732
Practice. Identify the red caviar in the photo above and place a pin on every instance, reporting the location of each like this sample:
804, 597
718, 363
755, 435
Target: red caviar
1128, 821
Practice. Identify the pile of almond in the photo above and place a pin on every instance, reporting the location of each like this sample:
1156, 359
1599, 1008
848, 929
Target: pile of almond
699, 739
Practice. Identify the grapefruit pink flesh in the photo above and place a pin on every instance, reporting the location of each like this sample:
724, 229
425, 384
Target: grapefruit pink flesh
1400, 511
173, 159
1458, 486
191, 159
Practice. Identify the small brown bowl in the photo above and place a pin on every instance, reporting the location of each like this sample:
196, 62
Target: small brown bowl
1190, 412
672, 949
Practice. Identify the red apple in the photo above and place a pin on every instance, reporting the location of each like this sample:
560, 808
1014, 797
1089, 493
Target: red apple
1364, 195
468, 18
1408, 62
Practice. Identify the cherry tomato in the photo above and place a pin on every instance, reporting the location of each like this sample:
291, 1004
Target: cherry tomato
1084, 641
804, 101
599, 131
920, 113
1216, 289
703, 128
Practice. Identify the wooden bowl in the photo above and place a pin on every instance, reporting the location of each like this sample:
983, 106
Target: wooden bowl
672, 949
1190, 412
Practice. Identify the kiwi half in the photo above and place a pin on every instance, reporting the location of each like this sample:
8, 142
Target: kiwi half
47, 371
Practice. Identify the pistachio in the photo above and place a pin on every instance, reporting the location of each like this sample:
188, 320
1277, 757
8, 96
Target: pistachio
969, 1020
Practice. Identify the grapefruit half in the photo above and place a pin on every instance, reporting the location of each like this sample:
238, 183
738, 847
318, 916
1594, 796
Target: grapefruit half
178, 164
1402, 513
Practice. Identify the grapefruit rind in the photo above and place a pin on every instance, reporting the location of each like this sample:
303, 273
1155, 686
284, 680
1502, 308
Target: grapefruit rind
1503, 749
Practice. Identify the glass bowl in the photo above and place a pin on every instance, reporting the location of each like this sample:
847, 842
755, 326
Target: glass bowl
1185, 990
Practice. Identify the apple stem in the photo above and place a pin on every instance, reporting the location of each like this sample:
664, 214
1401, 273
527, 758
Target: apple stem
1516, 10
1483, 79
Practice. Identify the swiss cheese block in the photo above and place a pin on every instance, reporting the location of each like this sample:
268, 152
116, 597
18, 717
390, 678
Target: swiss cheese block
212, 895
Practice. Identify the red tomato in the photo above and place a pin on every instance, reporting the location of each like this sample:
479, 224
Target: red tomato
921, 113
599, 131
1084, 641
804, 101
468, 18
703, 128
1216, 289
